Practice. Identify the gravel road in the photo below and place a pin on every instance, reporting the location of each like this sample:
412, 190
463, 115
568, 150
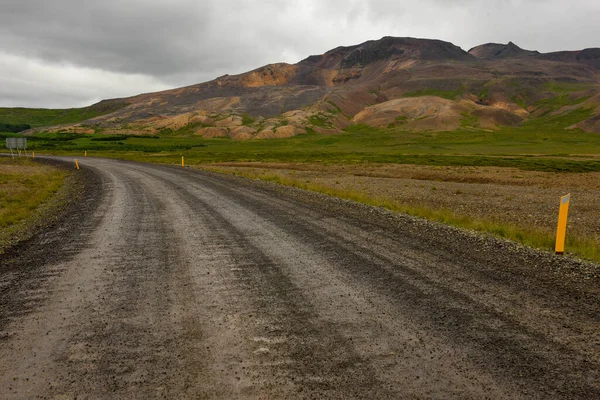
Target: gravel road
167, 282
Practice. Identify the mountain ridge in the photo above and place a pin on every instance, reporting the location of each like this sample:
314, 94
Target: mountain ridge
497, 50
401, 83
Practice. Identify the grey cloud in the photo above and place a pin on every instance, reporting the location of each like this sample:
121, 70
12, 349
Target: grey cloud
160, 38
178, 42
544, 25
124, 36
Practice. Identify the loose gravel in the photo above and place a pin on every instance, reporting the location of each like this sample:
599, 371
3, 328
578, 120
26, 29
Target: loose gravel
176, 283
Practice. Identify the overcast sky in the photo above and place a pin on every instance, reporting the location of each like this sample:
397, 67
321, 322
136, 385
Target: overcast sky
71, 53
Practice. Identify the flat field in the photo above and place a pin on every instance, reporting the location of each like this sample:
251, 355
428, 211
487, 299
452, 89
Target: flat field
537, 148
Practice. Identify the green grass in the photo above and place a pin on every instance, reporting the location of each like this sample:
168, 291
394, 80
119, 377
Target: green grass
520, 99
319, 120
542, 144
24, 187
4, 135
37, 117
247, 120
556, 94
468, 120
72, 142
556, 123
565, 87
562, 95
336, 108
561, 101
398, 121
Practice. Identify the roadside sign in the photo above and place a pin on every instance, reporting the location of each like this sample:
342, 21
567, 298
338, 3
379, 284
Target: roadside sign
17, 143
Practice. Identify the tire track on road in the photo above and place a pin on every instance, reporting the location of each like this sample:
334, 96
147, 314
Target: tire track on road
367, 329
290, 350
479, 329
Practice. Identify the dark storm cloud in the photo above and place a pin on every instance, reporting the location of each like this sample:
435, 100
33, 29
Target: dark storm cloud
158, 38
124, 36
77, 51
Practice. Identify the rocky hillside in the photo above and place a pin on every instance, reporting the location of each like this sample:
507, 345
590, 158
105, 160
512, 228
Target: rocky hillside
496, 50
397, 83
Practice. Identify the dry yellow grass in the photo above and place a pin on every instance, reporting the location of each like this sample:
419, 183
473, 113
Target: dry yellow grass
24, 187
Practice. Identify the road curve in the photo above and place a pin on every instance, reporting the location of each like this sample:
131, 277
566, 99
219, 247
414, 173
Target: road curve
177, 283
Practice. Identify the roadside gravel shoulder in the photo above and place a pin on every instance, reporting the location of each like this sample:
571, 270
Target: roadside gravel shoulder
54, 229
529, 315
563, 270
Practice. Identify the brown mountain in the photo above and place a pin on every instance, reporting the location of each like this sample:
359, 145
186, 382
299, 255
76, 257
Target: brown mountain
400, 83
589, 57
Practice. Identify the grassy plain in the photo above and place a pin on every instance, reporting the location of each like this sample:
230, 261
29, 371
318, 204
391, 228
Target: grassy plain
542, 148
25, 186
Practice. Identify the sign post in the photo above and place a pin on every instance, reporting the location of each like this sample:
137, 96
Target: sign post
561, 232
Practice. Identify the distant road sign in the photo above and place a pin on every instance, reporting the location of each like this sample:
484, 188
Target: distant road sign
16, 143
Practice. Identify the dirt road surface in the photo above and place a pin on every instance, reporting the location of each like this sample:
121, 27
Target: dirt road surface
168, 282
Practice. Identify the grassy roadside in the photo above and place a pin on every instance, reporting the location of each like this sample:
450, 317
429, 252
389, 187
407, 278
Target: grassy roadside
26, 191
533, 148
584, 246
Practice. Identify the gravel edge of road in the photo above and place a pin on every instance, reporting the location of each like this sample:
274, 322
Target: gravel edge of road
49, 241
567, 266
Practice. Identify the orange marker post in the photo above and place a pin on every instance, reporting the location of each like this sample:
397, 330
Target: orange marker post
76, 164
182, 162
561, 232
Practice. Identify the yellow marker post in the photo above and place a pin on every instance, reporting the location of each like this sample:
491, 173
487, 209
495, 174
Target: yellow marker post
182, 162
32, 155
85, 154
76, 164
561, 232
